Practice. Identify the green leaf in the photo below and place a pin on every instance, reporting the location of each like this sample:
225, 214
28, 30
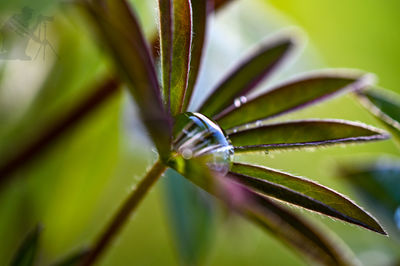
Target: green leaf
247, 75
26, 253
290, 97
120, 30
191, 213
378, 182
296, 232
286, 226
199, 11
303, 133
385, 105
303, 193
181, 47
166, 36
218, 5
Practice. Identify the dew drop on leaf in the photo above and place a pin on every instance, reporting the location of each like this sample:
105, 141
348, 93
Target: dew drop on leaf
196, 135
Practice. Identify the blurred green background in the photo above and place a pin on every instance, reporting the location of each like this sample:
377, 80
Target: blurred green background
75, 186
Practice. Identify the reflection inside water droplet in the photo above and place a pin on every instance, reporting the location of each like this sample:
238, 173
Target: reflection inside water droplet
397, 217
239, 101
195, 135
186, 153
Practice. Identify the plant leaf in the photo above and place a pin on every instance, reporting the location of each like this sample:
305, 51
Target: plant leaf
26, 253
385, 105
181, 47
247, 75
295, 231
290, 97
303, 193
192, 216
120, 30
166, 36
199, 11
218, 4
303, 133
378, 182
286, 226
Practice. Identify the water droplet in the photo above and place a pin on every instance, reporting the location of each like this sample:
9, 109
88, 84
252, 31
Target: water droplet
266, 152
397, 217
187, 154
239, 101
196, 135
258, 123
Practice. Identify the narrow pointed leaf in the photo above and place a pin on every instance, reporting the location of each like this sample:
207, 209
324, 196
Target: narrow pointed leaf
191, 213
181, 46
378, 182
26, 253
199, 12
166, 28
303, 133
289, 97
384, 105
303, 193
247, 75
296, 232
213, 7
120, 30
283, 224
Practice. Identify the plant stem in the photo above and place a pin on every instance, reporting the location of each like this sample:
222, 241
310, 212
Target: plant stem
103, 91
124, 212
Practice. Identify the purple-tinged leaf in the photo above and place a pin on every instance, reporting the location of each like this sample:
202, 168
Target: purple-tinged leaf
303, 193
283, 224
166, 36
289, 97
291, 229
199, 14
247, 75
296, 232
303, 133
213, 6
120, 30
27, 251
384, 105
181, 47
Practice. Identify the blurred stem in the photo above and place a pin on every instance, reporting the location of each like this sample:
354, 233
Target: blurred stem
124, 212
103, 91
